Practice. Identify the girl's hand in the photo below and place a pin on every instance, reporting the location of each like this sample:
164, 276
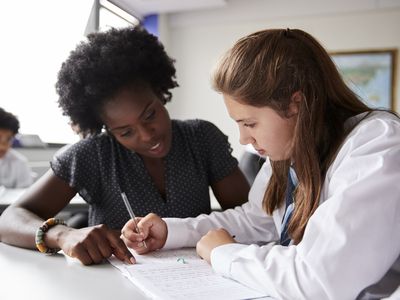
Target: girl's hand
153, 230
211, 240
93, 244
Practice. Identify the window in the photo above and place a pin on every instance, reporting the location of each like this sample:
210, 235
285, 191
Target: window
37, 37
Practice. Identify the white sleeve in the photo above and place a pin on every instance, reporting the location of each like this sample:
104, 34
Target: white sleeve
248, 223
351, 240
24, 176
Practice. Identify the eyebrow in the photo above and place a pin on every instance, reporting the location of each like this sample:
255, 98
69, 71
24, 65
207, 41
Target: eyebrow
243, 120
140, 116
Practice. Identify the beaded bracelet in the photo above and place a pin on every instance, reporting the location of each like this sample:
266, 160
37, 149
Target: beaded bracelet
39, 237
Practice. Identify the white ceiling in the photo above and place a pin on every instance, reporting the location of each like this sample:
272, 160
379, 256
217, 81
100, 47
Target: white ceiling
145, 7
239, 9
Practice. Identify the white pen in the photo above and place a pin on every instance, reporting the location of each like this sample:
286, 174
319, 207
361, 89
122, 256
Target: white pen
130, 211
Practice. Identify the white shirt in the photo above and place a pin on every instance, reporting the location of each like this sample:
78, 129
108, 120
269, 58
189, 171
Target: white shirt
14, 170
350, 242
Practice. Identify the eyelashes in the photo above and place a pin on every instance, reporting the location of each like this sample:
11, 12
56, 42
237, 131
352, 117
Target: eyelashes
150, 116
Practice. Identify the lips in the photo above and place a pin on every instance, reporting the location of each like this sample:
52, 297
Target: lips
155, 146
260, 151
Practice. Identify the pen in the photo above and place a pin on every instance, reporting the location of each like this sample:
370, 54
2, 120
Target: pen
132, 215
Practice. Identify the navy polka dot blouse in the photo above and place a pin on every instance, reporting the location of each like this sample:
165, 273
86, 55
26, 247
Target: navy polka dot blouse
100, 168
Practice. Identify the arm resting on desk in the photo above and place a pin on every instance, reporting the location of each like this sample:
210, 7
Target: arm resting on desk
44, 199
48, 196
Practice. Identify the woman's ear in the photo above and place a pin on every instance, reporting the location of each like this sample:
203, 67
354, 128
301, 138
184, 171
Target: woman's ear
294, 105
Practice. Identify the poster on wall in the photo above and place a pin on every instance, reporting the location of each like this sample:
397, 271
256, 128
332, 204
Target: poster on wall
370, 74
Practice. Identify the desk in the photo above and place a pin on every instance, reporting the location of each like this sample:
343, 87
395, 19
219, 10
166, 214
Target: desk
28, 274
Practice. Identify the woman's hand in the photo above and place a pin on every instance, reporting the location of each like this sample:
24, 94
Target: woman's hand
153, 230
93, 244
211, 240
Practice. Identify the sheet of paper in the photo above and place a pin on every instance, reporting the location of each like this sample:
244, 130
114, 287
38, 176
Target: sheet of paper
186, 255
181, 274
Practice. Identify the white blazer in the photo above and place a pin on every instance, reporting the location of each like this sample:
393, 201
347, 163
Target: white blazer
351, 241
14, 170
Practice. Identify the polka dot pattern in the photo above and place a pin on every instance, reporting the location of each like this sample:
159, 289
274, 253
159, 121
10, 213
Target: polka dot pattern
100, 169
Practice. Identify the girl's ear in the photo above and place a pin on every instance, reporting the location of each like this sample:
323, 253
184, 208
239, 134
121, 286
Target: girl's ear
294, 105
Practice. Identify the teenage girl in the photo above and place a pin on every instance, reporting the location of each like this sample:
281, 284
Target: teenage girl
323, 217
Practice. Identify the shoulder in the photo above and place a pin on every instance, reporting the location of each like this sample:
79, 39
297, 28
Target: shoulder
375, 136
376, 126
93, 145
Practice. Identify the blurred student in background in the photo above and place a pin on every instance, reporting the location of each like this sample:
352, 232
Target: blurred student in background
14, 169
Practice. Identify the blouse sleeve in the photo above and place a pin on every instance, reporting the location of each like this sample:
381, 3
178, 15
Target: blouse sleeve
78, 165
217, 152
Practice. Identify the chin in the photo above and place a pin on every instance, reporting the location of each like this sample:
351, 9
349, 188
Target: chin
278, 158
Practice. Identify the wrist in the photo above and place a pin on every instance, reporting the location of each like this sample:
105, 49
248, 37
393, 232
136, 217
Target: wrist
48, 234
166, 234
56, 236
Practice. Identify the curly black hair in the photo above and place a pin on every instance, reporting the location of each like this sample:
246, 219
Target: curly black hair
8, 121
108, 61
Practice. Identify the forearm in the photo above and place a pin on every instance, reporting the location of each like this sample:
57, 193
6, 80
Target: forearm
232, 191
248, 223
18, 227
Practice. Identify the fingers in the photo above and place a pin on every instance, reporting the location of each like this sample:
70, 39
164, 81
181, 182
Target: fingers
149, 234
94, 252
80, 252
214, 238
200, 247
119, 248
104, 247
145, 226
94, 244
139, 244
130, 235
151, 245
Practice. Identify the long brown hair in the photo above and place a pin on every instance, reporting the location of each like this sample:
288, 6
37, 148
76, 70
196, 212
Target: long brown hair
265, 69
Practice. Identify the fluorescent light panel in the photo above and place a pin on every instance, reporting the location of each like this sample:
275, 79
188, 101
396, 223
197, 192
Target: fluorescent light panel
119, 12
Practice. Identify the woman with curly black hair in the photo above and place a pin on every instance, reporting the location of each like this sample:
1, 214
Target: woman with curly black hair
113, 88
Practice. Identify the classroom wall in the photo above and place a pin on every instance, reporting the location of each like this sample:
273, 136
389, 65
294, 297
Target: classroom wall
197, 39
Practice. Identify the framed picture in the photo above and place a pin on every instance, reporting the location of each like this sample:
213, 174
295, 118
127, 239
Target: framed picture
370, 74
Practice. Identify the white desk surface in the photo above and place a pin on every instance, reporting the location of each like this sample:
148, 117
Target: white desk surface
28, 274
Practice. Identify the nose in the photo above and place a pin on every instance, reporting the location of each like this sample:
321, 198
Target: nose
146, 133
245, 138
3, 145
